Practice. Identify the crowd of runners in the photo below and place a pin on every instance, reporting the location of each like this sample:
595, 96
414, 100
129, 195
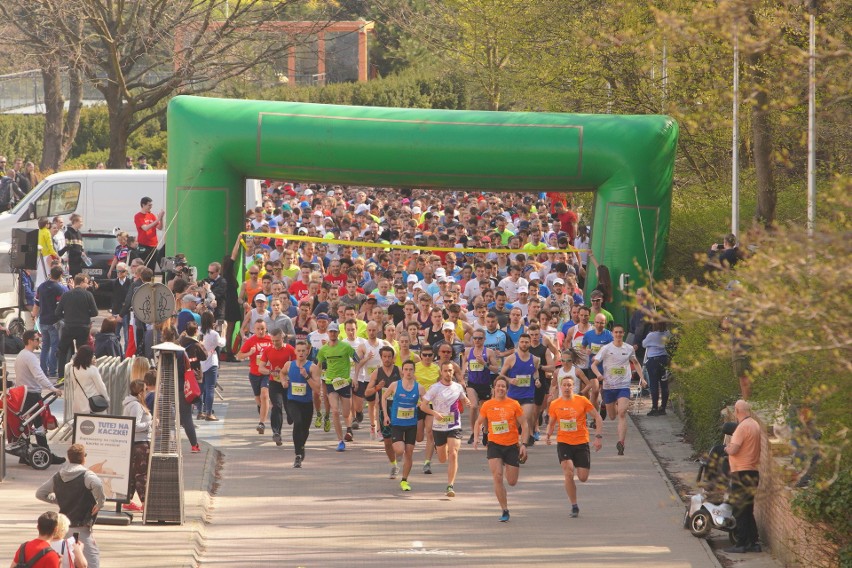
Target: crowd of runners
434, 337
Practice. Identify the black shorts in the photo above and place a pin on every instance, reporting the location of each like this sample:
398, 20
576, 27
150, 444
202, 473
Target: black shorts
360, 388
406, 434
483, 392
577, 453
541, 392
422, 415
511, 455
440, 436
345, 392
386, 430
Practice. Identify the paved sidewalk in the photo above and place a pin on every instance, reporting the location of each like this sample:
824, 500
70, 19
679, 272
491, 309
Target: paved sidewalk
342, 510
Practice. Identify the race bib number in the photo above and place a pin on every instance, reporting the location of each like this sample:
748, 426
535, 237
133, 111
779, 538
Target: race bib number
500, 427
339, 383
299, 389
618, 371
370, 371
405, 413
447, 419
523, 381
568, 425
476, 366
596, 347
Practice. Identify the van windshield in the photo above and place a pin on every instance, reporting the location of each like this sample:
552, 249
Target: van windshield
28, 198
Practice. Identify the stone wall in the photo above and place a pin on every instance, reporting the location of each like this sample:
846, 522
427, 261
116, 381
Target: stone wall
794, 541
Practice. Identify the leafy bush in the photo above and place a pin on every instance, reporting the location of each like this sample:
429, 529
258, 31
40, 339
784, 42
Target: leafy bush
702, 383
828, 505
21, 135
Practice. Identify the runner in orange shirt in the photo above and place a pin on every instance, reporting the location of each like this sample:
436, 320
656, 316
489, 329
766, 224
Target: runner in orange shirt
504, 416
568, 413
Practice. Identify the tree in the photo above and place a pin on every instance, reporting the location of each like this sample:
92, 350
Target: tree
139, 54
32, 24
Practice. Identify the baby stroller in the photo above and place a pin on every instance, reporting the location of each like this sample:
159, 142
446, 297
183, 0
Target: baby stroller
20, 427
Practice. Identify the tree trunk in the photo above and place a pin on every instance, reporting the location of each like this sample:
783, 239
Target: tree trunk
119, 127
75, 105
54, 106
761, 135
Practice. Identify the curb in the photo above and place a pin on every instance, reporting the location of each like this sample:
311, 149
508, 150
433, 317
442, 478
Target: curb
213, 460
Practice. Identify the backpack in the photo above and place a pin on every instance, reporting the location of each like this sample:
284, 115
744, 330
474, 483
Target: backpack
23, 563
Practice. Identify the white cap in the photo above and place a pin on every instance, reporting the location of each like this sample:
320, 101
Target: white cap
416, 210
439, 272
363, 208
523, 290
411, 278
308, 192
260, 297
558, 281
317, 213
534, 276
448, 325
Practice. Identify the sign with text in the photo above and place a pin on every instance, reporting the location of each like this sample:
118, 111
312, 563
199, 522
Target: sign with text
109, 449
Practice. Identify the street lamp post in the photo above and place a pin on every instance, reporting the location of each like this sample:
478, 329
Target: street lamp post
735, 139
812, 8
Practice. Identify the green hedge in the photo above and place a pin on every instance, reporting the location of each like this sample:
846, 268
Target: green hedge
702, 384
406, 90
21, 136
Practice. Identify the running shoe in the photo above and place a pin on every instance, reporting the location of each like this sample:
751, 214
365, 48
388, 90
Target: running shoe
131, 507
620, 447
450, 491
341, 446
326, 424
394, 472
536, 436
404, 485
427, 468
356, 425
374, 435
298, 463
661, 412
592, 424
261, 428
196, 449
212, 418
653, 412
277, 439
318, 420
348, 436
470, 440
575, 511
359, 417
504, 518
201, 416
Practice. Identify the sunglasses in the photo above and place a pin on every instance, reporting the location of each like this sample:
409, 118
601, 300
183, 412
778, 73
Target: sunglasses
426, 354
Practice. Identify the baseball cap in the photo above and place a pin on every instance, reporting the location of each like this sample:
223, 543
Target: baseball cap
308, 192
558, 281
449, 326
323, 316
439, 272
191, 298
411, 278
361, 209
523, 290
333, 327
260, 298
273, 224
534, 276
416, 210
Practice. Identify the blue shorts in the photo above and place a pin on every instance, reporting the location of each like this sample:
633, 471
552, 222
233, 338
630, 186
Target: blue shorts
258, 382
612, 395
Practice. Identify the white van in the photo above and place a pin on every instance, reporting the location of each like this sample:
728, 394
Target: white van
107, 199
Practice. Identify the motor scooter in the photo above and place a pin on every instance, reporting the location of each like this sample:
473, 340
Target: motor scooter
709, 508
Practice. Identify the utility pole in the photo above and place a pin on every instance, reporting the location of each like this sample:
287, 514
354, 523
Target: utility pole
812, 8
735, 139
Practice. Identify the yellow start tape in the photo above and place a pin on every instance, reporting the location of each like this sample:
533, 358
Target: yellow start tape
320, 240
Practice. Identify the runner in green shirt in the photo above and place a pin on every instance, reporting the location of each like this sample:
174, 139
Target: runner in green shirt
336, 359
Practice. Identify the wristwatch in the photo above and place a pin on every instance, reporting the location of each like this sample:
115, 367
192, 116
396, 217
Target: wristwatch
598, 436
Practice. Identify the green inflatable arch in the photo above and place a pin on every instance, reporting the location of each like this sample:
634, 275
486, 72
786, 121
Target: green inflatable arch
215, 144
